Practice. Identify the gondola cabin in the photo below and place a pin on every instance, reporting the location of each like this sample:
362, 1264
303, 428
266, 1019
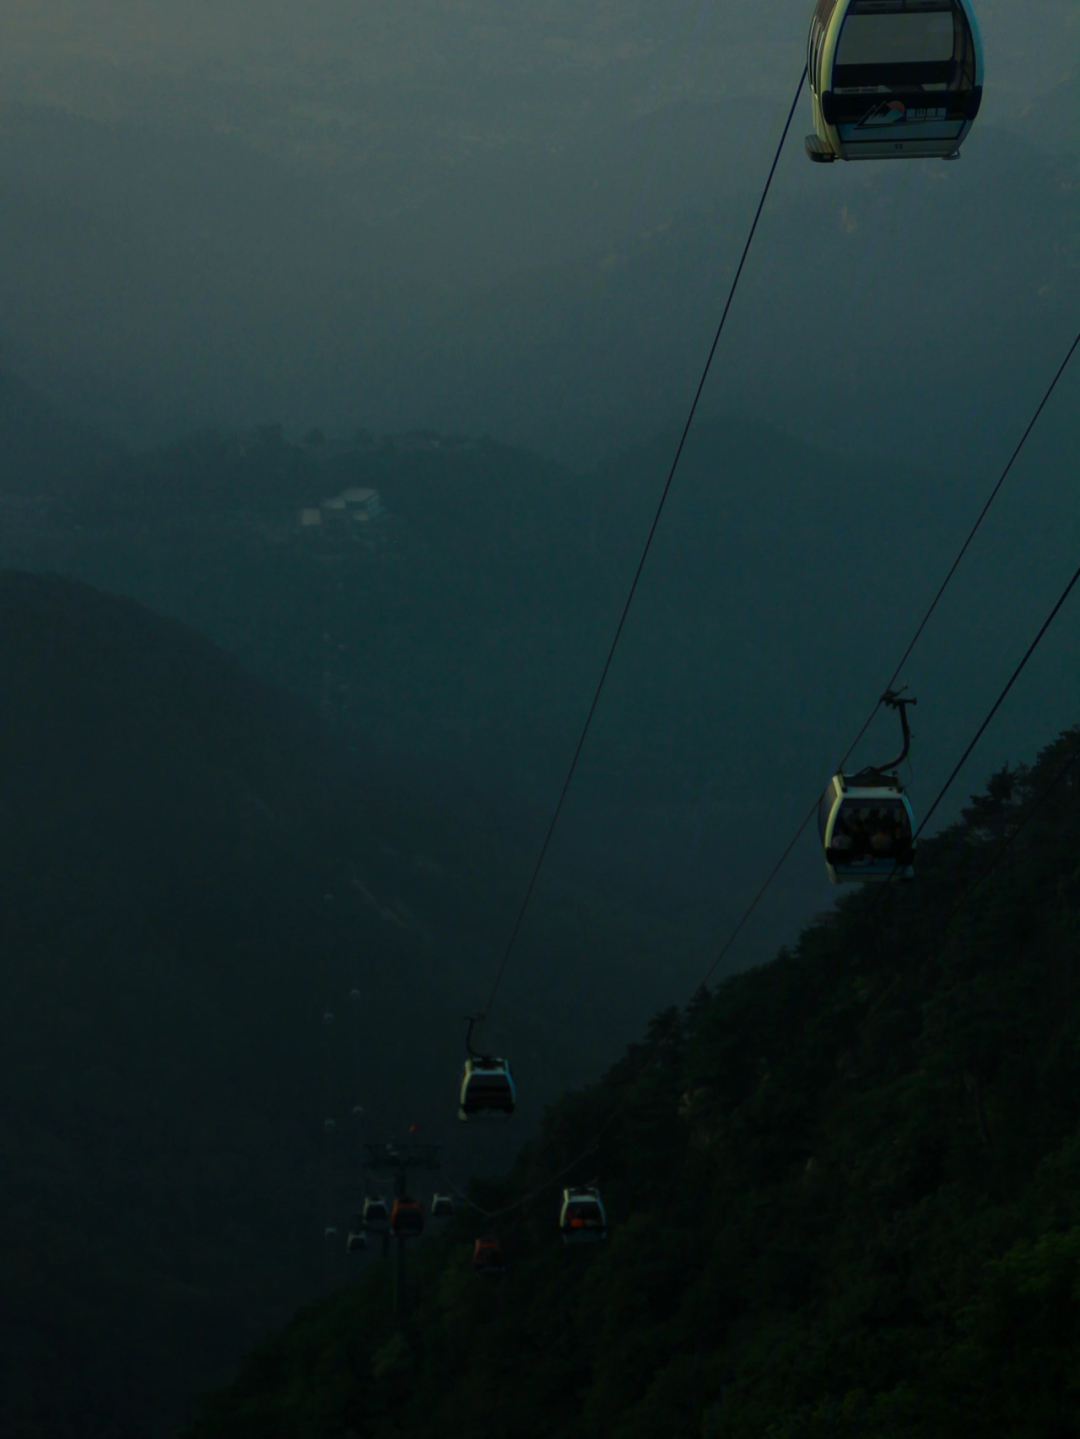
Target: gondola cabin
442, 1206
356, 1241
867, 827
582, 1219
487, 1089
376, 1210
893, 79
487, 1257
407, 1218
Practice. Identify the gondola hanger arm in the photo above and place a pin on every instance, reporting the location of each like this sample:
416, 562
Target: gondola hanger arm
895, 700
472, 1020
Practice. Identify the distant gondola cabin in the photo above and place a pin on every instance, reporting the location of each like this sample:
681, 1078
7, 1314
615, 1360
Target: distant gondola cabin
488, 1257
407, 1218
376, 1210
357, 1241
893, 79
582, 1219
487, 1089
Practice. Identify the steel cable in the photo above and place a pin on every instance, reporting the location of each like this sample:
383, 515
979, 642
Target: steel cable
759, 896
1051, 617
937, 801
641, 563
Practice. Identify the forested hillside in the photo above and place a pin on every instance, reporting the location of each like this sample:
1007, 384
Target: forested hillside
843, 1190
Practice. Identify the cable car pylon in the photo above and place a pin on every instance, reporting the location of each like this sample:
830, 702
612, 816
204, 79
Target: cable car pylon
406, 1215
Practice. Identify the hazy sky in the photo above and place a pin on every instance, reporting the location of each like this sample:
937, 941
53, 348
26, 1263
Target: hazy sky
294, 74
451, 212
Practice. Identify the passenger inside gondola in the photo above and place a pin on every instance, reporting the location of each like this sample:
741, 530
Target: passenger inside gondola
841, 838
883, 839
880, 831
856, 825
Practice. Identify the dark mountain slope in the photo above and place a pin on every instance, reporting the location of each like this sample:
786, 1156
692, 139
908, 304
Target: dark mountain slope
162, 856
169, 830
842, 1192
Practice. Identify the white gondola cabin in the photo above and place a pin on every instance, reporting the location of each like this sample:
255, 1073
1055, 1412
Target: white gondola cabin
893, 79
866, 826
487, 1089
582, 1219
376, 1210
442, 1206
357, 1241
